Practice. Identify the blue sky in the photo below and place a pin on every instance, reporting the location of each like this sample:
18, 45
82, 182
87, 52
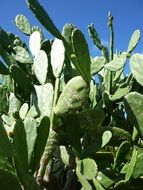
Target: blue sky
128, 16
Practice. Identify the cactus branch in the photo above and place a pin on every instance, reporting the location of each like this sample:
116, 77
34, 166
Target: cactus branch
110, 24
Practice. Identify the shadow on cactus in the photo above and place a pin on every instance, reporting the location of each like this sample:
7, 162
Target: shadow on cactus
69, 120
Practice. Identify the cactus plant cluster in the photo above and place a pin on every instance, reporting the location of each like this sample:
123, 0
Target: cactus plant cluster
69, 120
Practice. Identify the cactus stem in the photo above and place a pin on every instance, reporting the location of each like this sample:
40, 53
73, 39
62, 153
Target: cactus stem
110, 24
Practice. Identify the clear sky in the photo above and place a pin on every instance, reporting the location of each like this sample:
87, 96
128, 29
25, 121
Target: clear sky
128, 16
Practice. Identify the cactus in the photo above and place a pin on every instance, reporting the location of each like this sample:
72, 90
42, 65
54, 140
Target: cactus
72, 131
40, 66
134, 41
23, 24
81, 55
69, 120
97, 64
133, 104
23, 80
138, 167
116, 64
45, 98
21, 55
31, 135
43, 17
3, 100
94, 36
121, 153
67, 32
23, 111
104, 180
3, 69
20, 146
106, 136
7, 172
57, 57
91, 118
35, 42
42, 135
72, 97
5, 41
6, 148
136, 67
86, 170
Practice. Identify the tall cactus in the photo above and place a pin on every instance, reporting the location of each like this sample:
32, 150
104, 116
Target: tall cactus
69, 120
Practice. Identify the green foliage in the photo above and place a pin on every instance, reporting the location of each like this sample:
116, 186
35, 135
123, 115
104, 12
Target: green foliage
69, 120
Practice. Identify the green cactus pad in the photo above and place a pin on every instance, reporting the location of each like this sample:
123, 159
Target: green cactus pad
5, 145
22, 55
97, 64
31, 135
116, 64
81, 55
40, 66
45, 98
35, 42
42, 136
73, 96
20, 77
44, 18
23, 24
88, 168
57, 57
8, 176
94, 36
134, 41
136, 66
133, 105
